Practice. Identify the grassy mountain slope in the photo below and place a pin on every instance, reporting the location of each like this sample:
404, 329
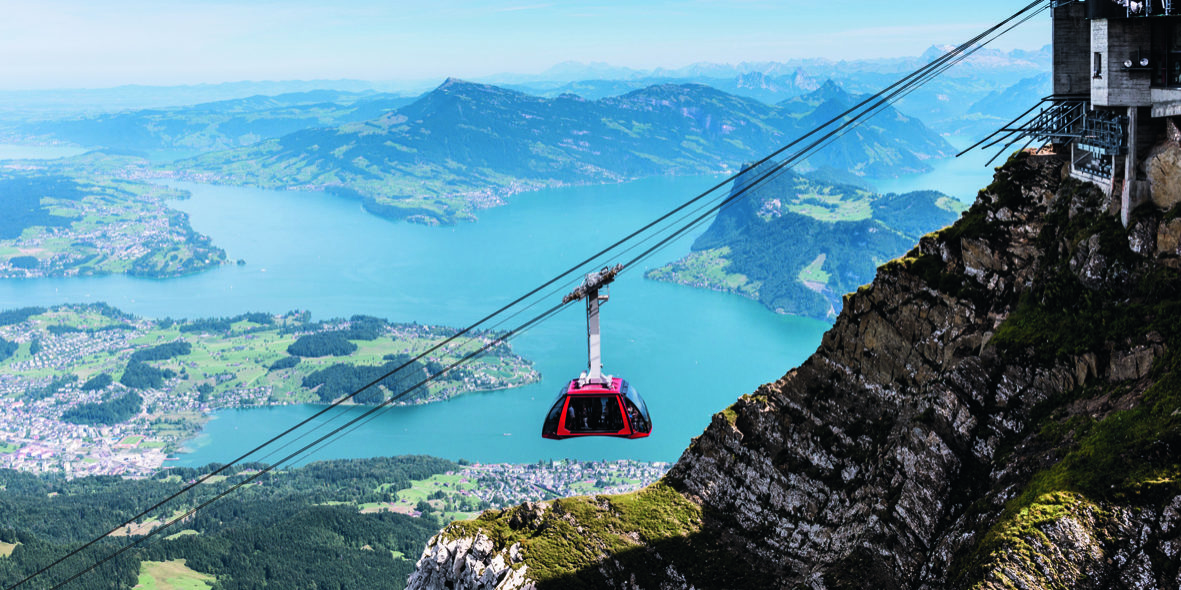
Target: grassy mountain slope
465, 146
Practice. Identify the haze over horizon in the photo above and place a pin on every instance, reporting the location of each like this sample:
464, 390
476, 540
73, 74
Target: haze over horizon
75, 44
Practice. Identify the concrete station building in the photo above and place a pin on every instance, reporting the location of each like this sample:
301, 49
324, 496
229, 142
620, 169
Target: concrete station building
1117, 90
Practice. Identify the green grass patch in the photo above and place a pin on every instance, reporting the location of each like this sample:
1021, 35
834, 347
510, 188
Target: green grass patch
706, 268
731, 415
229, 363
814, 272
439, 491
171, 575
575, 533
6, 549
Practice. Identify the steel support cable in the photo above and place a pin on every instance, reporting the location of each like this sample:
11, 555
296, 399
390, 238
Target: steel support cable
1000, 131
699, 218
1021, 135
905, 82
468, 357
563, 288
933, 69
954, 57
903, 93
471, 327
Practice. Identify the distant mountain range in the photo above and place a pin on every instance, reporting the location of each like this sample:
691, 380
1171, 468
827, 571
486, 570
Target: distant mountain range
215, 125
940, 103
1000, 107
29, 105
465, 146
440, 156
984, 60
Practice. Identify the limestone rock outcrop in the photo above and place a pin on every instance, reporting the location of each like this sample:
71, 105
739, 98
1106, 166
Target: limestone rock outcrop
1164, 174
471, 564
999, 409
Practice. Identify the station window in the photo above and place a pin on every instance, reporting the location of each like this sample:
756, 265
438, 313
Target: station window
1098, 64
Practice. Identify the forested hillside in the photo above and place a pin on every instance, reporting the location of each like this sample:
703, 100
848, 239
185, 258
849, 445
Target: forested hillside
302, 528
798, 245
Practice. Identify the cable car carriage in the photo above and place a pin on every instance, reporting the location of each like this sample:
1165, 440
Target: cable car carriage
595, 404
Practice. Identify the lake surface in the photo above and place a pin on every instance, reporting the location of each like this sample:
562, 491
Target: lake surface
960, 177
690, 352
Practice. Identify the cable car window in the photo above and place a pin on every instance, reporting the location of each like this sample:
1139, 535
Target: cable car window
594, 414
637, 420
555, 413
633, 396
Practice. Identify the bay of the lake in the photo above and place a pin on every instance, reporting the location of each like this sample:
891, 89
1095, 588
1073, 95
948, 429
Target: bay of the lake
690, 352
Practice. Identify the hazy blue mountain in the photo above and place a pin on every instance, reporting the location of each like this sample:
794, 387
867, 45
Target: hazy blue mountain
214, 125
889, 141
573, 70
943, 103
1002, 106
21, 105
982, 61
465, 145
758, 85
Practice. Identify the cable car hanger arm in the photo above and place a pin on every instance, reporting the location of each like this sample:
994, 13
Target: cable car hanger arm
594, 281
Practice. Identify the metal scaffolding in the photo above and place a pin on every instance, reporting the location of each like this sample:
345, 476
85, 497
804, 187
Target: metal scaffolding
1063, 119
1146, 7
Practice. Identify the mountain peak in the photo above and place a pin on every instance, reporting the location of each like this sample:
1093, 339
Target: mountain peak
829, 90
452, 83
460, 87
935, 52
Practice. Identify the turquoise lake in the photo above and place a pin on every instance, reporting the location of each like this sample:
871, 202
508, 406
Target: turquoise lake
690, 352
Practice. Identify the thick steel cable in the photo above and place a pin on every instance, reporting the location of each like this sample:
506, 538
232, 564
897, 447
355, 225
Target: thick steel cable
936, 68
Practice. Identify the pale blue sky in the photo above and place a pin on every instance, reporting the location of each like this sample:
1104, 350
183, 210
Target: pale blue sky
97, 43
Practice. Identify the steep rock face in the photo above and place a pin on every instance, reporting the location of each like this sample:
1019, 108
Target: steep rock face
470, 564
998, 409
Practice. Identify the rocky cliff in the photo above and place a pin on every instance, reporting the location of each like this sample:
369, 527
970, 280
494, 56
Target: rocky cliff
999, 409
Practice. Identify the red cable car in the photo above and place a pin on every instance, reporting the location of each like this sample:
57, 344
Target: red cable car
595, 404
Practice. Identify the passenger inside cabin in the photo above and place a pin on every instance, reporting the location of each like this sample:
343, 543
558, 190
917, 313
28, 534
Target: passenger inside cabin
594, 414
635, 419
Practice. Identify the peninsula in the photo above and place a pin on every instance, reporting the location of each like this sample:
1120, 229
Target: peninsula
92, 390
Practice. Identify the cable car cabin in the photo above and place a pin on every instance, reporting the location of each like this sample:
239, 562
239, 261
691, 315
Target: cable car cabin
595, 404
598, 409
